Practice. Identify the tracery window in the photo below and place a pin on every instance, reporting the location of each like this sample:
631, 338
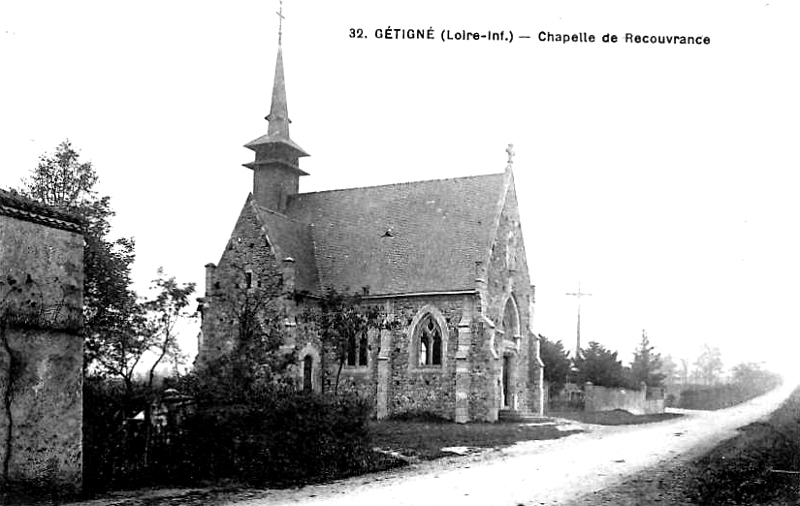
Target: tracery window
357, 350
429, 342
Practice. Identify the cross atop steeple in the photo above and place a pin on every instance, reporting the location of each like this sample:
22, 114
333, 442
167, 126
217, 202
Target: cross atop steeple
280, 22
511, 153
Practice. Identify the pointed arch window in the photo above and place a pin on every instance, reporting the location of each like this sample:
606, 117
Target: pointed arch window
358, 350
429, 342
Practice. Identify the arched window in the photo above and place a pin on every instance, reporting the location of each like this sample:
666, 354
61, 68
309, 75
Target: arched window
510, 319
308, 370
357, 350
429, 342
362, 350
351, 351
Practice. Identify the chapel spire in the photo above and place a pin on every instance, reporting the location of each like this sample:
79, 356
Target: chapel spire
276, 169
278, 116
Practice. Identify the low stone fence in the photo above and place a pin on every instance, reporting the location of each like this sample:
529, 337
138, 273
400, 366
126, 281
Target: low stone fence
637, 402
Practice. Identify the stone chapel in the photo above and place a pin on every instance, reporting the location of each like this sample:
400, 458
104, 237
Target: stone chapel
443, 259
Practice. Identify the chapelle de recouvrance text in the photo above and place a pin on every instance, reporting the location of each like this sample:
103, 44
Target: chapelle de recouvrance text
390, 33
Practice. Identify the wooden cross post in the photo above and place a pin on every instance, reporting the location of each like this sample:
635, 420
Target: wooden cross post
579, 294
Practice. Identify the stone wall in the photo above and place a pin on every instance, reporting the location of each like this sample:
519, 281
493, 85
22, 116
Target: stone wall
599, 398
506, 278
46, 409
41, 347
414, 388
226, 292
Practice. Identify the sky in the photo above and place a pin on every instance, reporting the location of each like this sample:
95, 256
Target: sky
662, 178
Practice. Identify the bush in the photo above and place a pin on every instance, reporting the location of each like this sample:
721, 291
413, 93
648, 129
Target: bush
420, 416
719, 396
740, 470
283, 438
113, 443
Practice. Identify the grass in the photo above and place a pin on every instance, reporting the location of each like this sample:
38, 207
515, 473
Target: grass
425, 440
615, 417
742, 470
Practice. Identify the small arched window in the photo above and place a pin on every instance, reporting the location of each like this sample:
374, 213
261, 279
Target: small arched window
429, 342
362, 350
308, 370
357, 350
510, 319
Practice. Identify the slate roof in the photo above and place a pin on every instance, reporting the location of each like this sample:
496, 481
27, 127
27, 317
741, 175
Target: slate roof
292, 239
24, 208
401, 238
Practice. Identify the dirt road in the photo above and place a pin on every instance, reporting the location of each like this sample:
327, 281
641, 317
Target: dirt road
538, 472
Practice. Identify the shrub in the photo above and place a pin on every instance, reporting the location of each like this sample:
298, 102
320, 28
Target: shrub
719, 396
113, 443
419, 415
283, 438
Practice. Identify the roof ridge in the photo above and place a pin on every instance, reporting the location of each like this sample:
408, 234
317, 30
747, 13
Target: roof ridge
404, 183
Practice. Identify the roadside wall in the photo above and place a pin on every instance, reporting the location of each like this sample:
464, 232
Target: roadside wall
599, 398
41, 346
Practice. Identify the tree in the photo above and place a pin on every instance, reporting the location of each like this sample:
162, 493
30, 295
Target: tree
257, 361
669, 368
600, 366
753, 377
684, 371
646, 365
709, 365
341, 321
556, 363
61, 180
164, 311
119, 350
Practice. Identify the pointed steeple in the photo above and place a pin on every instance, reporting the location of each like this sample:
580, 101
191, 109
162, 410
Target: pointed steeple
277, 138
276, 169
278, 113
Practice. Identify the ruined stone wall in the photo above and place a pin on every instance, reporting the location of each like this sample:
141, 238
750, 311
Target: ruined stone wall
41, 353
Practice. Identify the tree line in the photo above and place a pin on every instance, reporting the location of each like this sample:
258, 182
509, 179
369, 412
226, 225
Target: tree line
602, 366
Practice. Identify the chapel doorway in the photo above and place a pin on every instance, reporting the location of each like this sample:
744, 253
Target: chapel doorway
308, 368
506, 391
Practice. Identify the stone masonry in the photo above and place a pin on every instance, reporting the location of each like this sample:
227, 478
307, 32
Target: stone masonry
41, 346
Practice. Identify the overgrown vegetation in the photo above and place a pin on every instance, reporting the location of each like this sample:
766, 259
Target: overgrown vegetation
244, 418
748, 381
285, 438
759, 466
557, 364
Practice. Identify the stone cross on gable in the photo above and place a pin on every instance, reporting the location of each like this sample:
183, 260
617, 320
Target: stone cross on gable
510, 151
